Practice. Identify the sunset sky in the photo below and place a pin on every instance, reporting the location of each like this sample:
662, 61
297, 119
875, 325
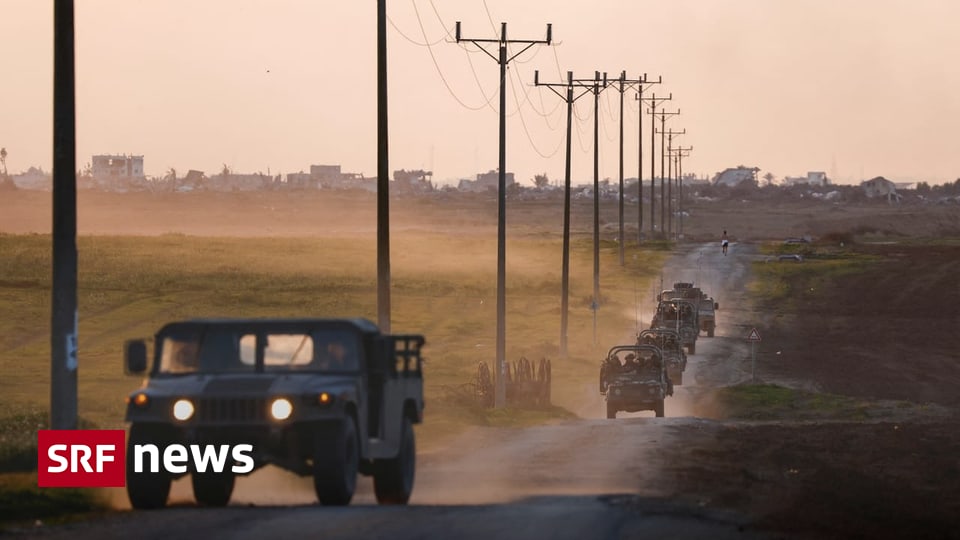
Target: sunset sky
852, 87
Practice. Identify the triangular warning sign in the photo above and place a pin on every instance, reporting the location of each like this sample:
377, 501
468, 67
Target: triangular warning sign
754, 335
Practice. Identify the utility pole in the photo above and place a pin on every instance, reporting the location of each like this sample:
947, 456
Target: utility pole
624, 84
63, 313
663, 126
681, 152
502, 59
670, 135
569, 99
597, 88
654, 101
383, 175
639, 98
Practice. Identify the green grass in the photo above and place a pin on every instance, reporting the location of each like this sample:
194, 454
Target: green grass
775, 402
788, 282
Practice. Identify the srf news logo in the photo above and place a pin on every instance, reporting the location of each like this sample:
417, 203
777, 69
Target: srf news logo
97, 458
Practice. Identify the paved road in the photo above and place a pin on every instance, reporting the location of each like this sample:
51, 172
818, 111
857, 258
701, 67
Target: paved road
585, 478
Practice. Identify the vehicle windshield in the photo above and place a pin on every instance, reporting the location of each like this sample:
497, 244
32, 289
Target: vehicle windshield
228, 350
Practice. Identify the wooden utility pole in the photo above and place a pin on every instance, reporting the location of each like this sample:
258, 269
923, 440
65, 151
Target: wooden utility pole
639, 98
663, 195
653, 101
502, 58
569, 98
670, 135
63, 316
383, 175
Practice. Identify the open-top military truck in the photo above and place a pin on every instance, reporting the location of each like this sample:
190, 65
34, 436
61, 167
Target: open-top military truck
328, 398
669, 343
634, 378
680, 316
706, 306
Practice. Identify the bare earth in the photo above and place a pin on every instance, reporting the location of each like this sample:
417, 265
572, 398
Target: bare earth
893, 472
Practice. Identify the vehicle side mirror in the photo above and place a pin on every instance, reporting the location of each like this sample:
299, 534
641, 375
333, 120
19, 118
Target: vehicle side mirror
135, 357
716, 305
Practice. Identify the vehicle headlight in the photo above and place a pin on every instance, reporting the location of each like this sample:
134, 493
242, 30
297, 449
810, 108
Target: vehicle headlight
183, 410
281, 409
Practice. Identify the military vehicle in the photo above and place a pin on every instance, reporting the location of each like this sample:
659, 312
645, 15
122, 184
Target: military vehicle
634, 378
669, 343
680, 316
706, 306
327, 398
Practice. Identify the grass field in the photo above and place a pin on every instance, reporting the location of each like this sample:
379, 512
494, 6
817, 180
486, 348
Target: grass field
129, 286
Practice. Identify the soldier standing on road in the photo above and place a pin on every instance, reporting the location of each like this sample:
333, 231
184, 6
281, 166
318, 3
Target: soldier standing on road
725, 242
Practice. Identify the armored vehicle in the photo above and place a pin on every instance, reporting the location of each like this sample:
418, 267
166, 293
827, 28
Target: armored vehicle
706, 306
668, 341
680, 316
633, 378
327, 398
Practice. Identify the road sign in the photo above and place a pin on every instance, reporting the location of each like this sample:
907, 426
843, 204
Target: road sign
754, 335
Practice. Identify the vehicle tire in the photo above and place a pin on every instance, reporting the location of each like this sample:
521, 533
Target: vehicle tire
710, 331
611, 411
147, 490
211, 488
658, 408
692, 348
393, 478
336, 460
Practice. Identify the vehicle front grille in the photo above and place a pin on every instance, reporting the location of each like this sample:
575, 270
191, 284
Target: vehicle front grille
222, 410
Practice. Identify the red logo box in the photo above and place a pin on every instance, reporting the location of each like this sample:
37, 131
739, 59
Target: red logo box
81, 458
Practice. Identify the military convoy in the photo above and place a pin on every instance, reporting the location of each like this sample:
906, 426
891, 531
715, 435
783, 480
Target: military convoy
327, 398
682, 313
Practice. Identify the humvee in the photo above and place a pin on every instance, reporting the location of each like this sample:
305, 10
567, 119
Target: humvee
327, 398
668, 341
633, 378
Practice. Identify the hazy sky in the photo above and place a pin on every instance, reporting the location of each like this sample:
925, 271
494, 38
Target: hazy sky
855, 88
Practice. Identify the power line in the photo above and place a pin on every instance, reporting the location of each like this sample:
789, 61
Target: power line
437, 65
410, 39
523, 122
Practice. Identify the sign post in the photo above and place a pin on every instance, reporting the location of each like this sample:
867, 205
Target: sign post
753, 338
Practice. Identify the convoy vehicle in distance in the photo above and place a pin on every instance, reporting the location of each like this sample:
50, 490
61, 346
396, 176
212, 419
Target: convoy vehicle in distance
680, 316
328, 398
706, 306
668, 341
634, 378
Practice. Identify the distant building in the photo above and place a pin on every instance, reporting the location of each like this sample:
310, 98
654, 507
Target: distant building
108, 166
33, 178
416, 181
735, 176
880, 187
486, 182
813, 178
301, 180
